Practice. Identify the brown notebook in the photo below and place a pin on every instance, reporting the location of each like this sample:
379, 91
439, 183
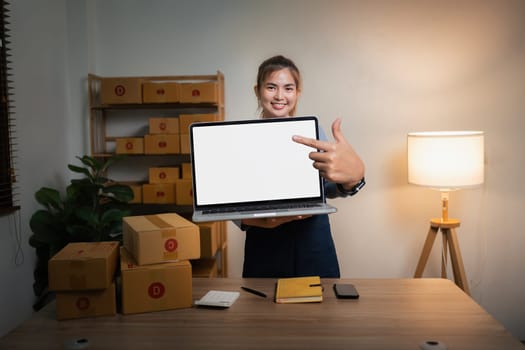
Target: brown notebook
299, 290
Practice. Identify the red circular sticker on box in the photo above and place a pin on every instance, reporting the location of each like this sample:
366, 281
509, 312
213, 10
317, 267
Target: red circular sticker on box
82, 303
171, 245
156, 290
120, 90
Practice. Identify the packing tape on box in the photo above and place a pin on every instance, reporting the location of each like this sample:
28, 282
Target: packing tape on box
170, 243
155, 220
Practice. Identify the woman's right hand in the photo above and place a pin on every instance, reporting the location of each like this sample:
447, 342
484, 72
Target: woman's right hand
273, 221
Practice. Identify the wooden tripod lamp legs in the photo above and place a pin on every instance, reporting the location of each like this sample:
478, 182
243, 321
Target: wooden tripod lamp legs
450, 242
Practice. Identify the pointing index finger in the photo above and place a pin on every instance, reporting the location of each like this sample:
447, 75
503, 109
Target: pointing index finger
318, 145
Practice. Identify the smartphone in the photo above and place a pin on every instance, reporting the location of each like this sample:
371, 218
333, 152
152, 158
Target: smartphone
345, 291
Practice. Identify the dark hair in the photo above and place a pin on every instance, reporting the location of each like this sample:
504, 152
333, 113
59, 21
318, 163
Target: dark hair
276, 63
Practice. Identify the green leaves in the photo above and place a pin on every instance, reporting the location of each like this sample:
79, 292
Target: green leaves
120, 193
47, 227
91, 210
49, 198
78, 169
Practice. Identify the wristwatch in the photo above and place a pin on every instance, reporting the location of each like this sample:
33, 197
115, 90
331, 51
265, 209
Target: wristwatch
357, 187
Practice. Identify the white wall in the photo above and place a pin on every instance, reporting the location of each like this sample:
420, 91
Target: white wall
39, 56
49, 45
386, 67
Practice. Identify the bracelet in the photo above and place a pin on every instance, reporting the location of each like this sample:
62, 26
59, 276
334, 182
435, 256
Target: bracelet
357, 187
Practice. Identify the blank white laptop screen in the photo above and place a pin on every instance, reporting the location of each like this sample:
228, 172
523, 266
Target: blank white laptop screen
251, 162
253, 169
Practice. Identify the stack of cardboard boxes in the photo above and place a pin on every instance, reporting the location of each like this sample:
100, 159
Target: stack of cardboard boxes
166, 185
83, 276
163, 138
183, 190
154, 262
155, 272
166, 94
135, 90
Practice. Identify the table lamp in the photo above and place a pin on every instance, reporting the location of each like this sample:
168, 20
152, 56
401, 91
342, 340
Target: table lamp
446, 161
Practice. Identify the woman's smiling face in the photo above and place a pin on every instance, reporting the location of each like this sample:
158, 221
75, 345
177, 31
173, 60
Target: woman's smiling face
278, 94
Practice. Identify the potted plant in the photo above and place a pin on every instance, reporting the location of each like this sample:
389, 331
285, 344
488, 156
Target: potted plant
91, 210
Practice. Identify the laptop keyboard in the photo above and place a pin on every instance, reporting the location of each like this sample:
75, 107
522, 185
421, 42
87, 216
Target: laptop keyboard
260, 207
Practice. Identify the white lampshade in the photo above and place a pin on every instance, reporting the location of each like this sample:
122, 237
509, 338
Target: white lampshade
446, 160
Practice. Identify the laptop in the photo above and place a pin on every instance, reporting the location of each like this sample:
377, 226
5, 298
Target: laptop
253, 169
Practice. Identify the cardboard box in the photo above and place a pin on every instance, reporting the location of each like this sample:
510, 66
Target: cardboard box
121, 90
163, 175
163, 125
186, 171
154, 287
129, 145
160, 92
83, 266
153, 239
185, 120
210, 239
206, 92
90, 303
183, 192
161, 144
158, 193
185, 144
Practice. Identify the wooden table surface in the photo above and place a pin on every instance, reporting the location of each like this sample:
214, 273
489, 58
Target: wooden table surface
390, 314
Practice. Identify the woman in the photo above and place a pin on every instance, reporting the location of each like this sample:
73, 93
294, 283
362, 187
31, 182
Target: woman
297, 245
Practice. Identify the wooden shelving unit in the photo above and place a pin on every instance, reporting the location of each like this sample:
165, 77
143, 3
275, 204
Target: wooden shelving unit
111, 121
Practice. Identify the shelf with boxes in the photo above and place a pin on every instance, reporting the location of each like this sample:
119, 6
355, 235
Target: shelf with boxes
146, 119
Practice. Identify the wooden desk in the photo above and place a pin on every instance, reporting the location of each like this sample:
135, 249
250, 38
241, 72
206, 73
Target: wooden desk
391, 314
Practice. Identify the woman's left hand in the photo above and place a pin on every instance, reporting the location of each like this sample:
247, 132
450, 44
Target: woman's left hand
336, 161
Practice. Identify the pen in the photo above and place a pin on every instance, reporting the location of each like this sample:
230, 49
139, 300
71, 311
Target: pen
253, 291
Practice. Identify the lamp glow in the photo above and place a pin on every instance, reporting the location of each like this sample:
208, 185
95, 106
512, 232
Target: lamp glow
446, 160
